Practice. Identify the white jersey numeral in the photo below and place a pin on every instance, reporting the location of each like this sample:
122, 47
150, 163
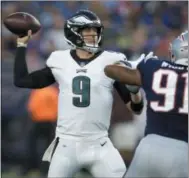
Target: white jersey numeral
169, 91
184, 108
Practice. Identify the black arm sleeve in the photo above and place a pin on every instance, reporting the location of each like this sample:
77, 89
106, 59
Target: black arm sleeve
122, 91
38, 79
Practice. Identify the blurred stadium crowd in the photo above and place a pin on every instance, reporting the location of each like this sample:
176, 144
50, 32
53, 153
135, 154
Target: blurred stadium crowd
29, 116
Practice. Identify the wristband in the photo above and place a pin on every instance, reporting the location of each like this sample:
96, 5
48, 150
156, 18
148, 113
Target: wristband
137, 107
20, 44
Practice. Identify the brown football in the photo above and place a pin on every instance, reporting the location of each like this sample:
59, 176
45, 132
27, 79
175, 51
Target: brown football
20, 22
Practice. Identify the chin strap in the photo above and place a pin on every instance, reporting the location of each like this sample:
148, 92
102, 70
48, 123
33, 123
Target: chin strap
91, 49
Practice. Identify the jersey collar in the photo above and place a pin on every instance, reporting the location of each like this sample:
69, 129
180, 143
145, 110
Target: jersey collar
83, 62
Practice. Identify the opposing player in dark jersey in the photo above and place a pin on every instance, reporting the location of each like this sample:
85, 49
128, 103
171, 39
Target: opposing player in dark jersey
163, 152
85, 99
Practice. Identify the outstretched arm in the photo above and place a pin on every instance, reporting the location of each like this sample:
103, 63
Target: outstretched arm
38, 79
122, 70
124, 75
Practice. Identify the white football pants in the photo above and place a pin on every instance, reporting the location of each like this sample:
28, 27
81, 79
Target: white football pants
158, 156
99, 157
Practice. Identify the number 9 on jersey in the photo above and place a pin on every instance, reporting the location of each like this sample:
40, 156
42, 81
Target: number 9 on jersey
81, 87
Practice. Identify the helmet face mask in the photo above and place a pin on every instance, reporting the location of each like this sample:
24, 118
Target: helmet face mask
76, 25
91, 37
179, 49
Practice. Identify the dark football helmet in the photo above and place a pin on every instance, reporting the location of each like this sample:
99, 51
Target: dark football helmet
79, 21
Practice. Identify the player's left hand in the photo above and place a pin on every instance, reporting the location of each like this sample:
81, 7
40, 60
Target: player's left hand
150, 55
133, 89
143, 57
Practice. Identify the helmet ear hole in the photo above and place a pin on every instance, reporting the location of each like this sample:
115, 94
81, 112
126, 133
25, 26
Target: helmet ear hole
173, 57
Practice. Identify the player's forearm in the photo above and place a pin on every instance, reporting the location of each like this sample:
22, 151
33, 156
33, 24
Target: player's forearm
123, 74
23, 79
20, 66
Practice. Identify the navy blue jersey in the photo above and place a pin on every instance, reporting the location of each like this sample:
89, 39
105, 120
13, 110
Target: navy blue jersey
166, 87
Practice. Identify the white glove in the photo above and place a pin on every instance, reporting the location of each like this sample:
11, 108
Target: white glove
150, 55
134, 63
133, 88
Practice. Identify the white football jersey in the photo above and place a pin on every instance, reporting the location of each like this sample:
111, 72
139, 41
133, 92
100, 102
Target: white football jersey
85, 94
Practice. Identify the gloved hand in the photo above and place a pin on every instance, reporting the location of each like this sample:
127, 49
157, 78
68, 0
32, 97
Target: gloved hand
142, 57
150, 55
134, 89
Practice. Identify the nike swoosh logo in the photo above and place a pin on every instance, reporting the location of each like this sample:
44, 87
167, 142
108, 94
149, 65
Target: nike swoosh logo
102, 144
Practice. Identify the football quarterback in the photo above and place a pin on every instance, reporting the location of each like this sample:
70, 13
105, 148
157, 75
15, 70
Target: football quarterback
85, 99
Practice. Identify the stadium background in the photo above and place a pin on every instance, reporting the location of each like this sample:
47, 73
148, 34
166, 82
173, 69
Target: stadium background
29, 116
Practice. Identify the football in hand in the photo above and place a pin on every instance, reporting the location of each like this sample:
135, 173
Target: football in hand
20, 22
